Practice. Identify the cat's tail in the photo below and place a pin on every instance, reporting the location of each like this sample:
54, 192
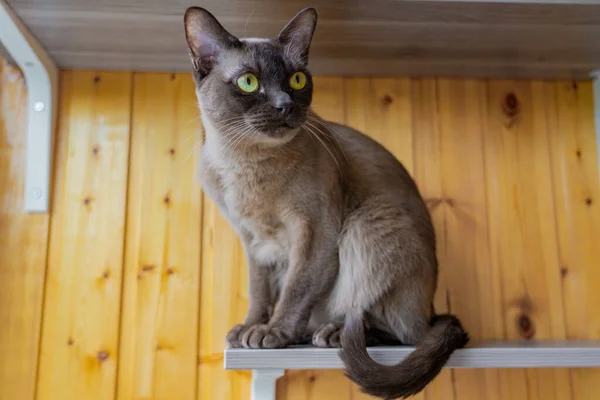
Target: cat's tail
413, 373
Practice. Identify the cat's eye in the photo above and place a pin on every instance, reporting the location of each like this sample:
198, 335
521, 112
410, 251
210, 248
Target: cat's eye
248, 83
298, 81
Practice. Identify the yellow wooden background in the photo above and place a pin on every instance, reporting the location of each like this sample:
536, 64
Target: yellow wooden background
127, 288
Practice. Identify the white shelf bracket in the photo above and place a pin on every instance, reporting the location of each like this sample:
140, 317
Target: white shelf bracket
264, 383
41, 76
596, 78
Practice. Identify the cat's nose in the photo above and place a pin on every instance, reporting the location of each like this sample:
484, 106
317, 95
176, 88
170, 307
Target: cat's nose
283, 105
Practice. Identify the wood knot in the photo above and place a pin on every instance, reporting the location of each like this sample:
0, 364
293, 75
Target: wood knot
87, 201
387, 100
96, 150
96, 79
172, 151
574, 85
170, 271
312, 378
70, 341
525, 326
173, 76
102, 355
106, 274
511, 105
167, 199
564, 271
148, 268
578, 154
588, 201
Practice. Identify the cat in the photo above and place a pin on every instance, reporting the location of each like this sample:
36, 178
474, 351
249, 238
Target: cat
340, 245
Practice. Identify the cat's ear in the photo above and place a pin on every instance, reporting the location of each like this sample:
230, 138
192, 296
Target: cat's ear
206, 39
297, 34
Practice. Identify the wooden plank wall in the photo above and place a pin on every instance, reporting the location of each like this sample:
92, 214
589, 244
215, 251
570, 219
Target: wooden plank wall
126, 290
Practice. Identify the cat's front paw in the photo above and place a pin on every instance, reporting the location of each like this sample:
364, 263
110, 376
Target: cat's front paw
265, 337
234, 337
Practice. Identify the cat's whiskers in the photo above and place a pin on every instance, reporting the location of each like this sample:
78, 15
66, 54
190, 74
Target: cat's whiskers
331, 134
228, 138
231, 125
310, 131
254, 133
191, 153
238, 136
247, 135
246, 24
231, 134
230, 121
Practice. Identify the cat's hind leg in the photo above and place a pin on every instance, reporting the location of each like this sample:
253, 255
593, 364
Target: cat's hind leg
328, 335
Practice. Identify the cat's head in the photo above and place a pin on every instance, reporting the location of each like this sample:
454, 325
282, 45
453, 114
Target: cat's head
257, 88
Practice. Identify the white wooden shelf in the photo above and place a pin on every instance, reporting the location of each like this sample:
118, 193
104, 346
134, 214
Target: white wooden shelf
498, 354
269, 365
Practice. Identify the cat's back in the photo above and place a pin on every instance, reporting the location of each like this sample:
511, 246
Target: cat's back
372, 164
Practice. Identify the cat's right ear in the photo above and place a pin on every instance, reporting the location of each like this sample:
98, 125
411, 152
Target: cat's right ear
206, 39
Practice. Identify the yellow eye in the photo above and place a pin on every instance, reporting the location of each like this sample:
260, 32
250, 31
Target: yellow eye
248, 83
298, 81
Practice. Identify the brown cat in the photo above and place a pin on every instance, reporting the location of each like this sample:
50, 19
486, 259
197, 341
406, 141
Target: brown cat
340, 245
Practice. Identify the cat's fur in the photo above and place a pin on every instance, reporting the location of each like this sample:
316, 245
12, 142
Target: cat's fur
340, 244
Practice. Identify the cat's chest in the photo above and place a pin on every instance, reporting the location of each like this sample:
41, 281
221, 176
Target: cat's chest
254, 211
259, 218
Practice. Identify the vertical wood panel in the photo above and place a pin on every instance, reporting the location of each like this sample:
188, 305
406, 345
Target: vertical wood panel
473, 291
23, 248
428, 174
577, 194
381, 108
83, 288
160, 312
523, 230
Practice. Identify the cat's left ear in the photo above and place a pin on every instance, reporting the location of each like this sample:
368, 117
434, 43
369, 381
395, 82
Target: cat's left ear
298, 33
206, 39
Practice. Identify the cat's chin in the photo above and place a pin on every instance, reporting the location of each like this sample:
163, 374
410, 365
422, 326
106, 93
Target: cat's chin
281, 131
278, 135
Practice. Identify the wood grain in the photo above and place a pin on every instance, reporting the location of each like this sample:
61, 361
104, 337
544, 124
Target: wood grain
159, 326
576, 190
429, 174
522, 229
23, 247
462, 113
508, 170
450, 38
79, 346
